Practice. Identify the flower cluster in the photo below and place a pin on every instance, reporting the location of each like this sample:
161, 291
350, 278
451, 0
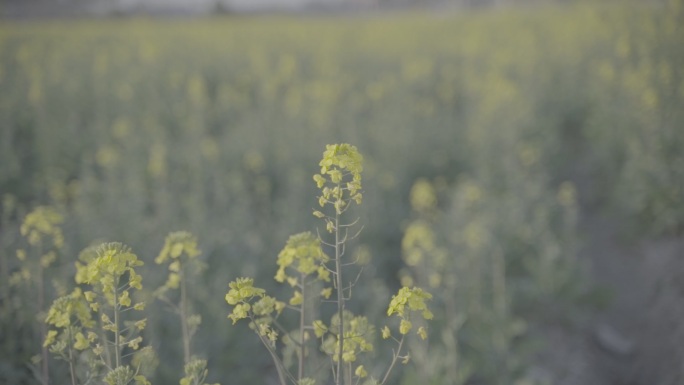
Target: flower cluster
177, 244
195, 373
124, 375
41, 222
104, 269
109, 270
340, 178
70, 316
180, 249
41, 227
357, 336
403, 304
261, 311
303, 253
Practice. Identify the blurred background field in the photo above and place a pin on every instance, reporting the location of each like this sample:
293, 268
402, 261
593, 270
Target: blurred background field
525, 164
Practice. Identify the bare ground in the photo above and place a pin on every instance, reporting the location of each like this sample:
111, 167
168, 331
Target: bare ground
637, 339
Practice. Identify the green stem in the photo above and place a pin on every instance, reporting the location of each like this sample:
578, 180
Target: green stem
117, 348
340, 298
103, 337
300, 372
5, 296
501, 308
72, 371
450, 339
184, 319
280, 367
43, 325
394, 361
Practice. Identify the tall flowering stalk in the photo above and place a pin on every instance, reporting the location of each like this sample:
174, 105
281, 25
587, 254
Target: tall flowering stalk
109, 272
302, 264
181, 253
42, 230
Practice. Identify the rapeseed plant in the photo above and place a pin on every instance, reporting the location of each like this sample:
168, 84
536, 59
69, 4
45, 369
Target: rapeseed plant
41, 228
88, 328
181, 253
302, 263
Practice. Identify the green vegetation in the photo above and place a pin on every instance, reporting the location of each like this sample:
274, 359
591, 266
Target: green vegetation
486, 136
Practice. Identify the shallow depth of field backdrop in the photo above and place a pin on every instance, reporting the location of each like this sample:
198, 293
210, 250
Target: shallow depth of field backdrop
524, 164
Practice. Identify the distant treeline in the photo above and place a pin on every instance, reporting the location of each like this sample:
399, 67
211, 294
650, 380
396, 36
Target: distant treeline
117, 8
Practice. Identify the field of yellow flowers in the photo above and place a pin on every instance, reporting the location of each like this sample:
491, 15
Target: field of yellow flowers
485, 134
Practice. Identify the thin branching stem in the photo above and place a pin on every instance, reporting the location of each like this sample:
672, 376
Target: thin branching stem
107, 359
395, 357
344, 239
350, 224
357, 233
128, 354
280, 367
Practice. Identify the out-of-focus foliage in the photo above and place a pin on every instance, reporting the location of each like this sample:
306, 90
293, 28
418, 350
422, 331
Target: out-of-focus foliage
135, 128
